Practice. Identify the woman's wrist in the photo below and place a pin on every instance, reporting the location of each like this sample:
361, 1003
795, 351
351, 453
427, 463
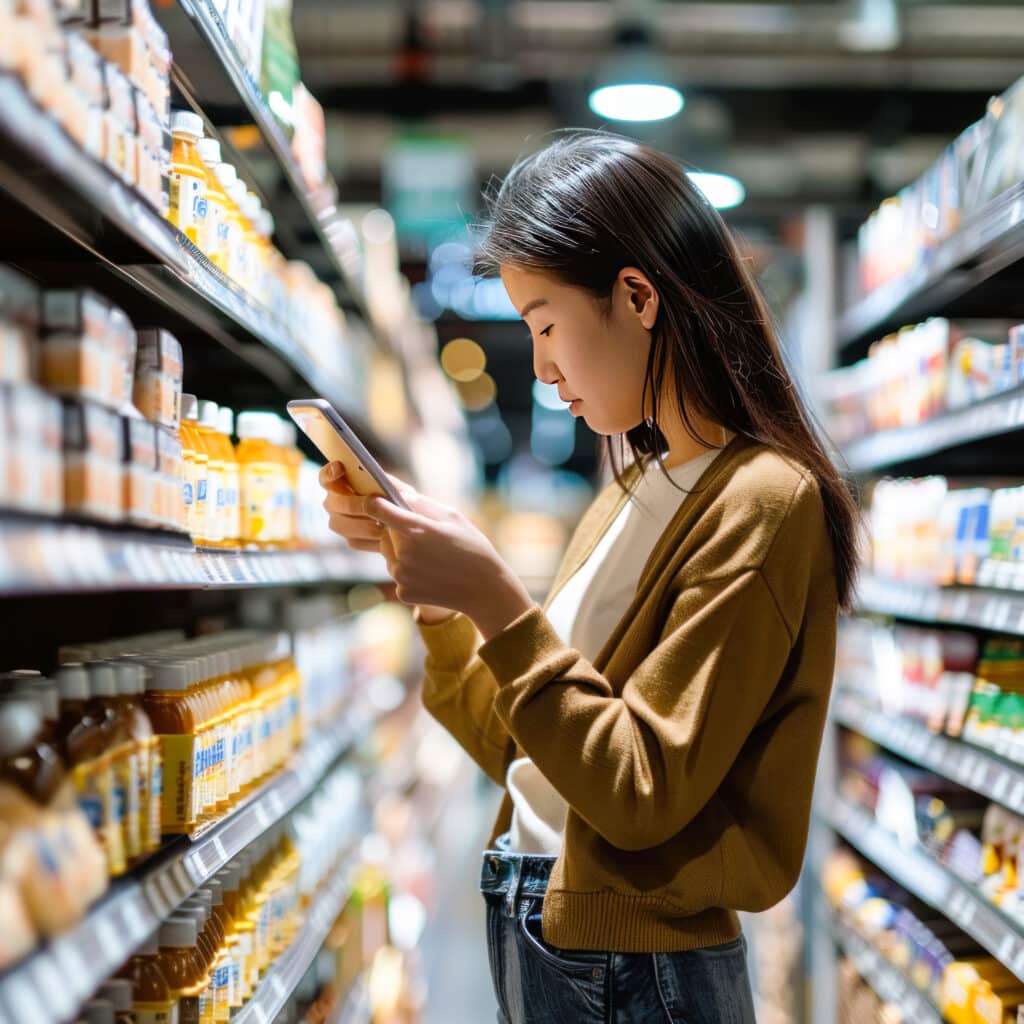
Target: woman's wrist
505, 602
430, 615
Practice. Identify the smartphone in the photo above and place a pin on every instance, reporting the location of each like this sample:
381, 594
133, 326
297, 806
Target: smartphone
337, 442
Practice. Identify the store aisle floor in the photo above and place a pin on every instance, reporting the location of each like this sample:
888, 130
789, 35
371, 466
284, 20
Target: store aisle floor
454, 945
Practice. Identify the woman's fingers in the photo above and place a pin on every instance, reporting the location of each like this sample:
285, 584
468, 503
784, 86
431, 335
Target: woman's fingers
334, 480
355, 528
345, 504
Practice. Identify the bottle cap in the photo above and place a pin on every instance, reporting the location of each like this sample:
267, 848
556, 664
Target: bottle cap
230, 876
197, 911
178, 931
257, 425
189, 407
209, 152
48, 698
216, 891
238, 192
225, 421
20, 722
267, 224
131, 678
186, 122
102, 682
73, 682
251, 207
226, 175
208, 414
167, 675
119, 992
151, 946
99, 1011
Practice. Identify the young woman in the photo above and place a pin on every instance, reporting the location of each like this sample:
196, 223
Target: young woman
656, 724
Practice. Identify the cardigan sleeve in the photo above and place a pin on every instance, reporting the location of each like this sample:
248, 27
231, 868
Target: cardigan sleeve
638, 767
459, 690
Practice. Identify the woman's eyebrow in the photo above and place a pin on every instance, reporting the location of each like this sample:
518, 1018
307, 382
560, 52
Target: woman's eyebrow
531, 306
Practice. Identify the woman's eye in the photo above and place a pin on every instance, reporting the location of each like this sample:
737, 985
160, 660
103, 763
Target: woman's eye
546, 331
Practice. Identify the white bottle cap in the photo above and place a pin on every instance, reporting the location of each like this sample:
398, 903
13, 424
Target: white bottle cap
225, 421
186, 122
131, 678
226, 175
189, 407
99, 1011
258, 425
208, 414
178, 931
238, 192
209, 152
167, 675
252, 207
119, 992
73, 682
102, 682
267, 224
48, 698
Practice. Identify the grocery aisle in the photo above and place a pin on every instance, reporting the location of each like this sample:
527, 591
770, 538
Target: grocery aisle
454, 943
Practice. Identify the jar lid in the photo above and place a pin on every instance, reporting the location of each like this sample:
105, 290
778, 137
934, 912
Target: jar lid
189, 407
73, 682
208, 414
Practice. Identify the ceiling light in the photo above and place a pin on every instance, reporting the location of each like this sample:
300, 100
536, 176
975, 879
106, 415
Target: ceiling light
636, 101
721, 190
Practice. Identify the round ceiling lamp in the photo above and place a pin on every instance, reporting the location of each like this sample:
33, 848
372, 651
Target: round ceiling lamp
721, 190
636, 101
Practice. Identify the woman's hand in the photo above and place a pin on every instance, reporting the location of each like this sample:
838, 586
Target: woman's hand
439, 558
348, 516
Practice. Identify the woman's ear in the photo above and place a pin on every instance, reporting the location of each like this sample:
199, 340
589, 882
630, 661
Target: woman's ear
641, 298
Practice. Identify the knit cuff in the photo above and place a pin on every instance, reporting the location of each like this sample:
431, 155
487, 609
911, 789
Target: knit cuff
518, 648
450, 643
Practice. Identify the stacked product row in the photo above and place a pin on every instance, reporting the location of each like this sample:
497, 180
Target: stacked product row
938, 531
102, 72
921, 372
97, 427
983, 162
981, 842
945, 965
133, 739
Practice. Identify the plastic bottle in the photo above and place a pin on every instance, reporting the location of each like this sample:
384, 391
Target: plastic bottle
224, 969
206, 424
188, 176
153, 1000
230, 878
214, 240
232, 486
259, 266
293, 467
33, 763
260, 473
83, 745
119, 992
104, 706
99, 1011
235, 239
181, 964
196, 467
247, 236
131, 686
206, 952
173, 707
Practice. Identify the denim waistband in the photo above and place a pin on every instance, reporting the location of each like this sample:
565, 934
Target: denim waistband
514, 875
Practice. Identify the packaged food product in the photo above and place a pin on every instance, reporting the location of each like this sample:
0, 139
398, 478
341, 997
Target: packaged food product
141, 498
160, 352
19, 326
93, 442
171, 480
233, 242
33, 431
188, 176
74, 358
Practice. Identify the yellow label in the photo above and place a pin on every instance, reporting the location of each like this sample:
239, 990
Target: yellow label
213, 240
188, 203
126, 792
181, 782
259, 491
154, 793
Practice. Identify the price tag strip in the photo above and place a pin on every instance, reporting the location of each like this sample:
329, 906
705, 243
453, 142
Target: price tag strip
923, 876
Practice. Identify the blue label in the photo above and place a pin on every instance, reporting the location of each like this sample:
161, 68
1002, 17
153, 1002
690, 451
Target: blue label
92, 808
187, 490
199, 207
220, 497
201, 490
120, 802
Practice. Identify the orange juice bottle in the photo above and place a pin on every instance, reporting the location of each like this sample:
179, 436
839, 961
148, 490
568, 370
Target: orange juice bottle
259, 470
182, 966
232, 510
206, 424
187, 210
252, 208
234, 265
105, 708
221, 926
237, 887
129, 679
153, 1001
174, 709
292, 469
246, 235
196, 467
214, 240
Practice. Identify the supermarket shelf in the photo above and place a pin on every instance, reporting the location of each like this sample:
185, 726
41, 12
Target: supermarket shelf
355, 1007
1000, 414
142, 259
888, 981
964, 264
207, 66
922, 875
50, 558
999, 610
282, 978
973, 767
49, 986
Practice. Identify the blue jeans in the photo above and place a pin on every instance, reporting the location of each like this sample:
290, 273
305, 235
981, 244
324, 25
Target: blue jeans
536, 983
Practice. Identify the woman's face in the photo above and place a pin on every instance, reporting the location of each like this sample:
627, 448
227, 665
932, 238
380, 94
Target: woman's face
596, 358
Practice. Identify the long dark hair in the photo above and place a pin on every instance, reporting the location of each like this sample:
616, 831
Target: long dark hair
591, 203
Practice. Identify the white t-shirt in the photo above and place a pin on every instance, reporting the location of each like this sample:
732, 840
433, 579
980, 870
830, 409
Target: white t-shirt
584, 613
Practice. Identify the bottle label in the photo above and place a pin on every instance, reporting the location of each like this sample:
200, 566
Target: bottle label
188, 204
156, 793
128, 781
188, 1010
187, 491
181, 782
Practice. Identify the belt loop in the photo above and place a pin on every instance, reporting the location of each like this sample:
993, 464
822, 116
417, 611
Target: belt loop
512, 894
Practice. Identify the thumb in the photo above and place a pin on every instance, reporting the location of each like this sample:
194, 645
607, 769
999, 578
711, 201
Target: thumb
392, 516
